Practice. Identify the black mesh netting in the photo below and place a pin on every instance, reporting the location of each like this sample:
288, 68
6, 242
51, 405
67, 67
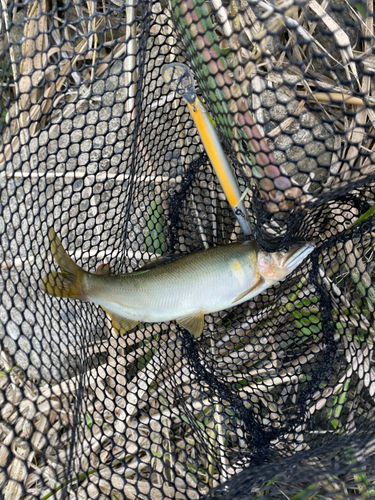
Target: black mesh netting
276, 398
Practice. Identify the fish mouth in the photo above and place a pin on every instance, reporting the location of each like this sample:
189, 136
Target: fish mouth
296, 255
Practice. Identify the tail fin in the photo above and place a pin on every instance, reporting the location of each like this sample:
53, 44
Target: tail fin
68, 283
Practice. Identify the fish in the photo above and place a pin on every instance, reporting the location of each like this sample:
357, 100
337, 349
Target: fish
181, 288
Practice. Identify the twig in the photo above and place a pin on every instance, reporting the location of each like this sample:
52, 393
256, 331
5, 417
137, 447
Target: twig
286, 123
130, 69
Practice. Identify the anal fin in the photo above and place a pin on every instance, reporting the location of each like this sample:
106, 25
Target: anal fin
254, 288
193, 324
120, 324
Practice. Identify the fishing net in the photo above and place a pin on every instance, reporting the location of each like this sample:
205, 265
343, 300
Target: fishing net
276, 398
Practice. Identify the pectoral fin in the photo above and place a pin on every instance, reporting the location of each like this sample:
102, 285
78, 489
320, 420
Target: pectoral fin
121, 324
254, 288
193, 324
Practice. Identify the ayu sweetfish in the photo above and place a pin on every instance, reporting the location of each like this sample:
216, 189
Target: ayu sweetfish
183, 289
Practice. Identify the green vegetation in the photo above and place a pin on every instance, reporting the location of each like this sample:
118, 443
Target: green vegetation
154, 235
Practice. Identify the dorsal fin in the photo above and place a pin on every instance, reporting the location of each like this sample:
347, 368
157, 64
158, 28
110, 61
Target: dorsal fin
159, 261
